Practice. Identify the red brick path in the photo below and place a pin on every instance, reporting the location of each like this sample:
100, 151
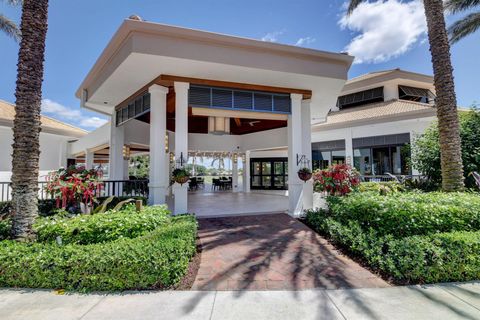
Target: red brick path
273, 252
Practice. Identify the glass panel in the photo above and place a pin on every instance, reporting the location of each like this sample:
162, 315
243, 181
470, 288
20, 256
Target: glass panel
381, 161
138, 106
266, 181
278, 168
131, 111
256, 181
256, 168
146, 102
338, 157
266, 168
278, 181
362, 161
397, 160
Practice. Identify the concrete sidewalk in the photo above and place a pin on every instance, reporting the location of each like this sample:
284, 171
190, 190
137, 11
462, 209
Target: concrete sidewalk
445, 301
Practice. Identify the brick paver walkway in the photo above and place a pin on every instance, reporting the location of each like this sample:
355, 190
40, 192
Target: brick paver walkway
273, 252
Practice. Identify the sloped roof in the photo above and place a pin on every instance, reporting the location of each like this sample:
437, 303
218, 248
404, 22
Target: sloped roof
384, 75
375, 112
49, 125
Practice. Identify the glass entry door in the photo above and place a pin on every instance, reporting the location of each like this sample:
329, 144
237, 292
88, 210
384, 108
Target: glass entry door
269, 173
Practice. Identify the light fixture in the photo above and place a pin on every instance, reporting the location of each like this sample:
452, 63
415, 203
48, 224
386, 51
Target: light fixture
126, 152
218, 125
244, 157
172, 157
166, 142
235, 158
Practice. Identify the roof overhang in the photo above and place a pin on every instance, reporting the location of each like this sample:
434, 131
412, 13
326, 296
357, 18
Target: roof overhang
140, 52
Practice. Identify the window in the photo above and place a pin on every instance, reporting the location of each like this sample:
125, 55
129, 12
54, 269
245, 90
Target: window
416, 94
323, 159
381, 160
362, 161
269, 173
133, 108
360, 98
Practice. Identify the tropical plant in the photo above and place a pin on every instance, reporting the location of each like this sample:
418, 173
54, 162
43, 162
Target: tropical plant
74, 185
446, 101
26, 125
466, 25
304, 174
8, 26
180, 175
339, 179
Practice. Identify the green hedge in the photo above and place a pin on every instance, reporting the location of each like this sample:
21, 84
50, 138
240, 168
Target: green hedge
409, 213
158, 258
101, 227
416, 259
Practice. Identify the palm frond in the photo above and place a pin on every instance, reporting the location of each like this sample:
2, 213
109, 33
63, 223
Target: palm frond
455, 6
14, 2
463, 27
353, 5
10, 28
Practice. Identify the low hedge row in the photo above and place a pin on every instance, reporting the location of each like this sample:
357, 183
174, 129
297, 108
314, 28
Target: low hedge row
409, 213
101, 227
415, 259
158, 258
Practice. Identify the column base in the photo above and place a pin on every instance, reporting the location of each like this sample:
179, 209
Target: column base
157, 194
180, 198
295, 199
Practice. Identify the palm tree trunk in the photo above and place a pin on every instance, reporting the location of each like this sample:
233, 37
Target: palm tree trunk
446, 101
26, 125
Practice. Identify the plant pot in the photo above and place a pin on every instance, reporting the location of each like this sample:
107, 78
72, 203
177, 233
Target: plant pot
182, 180
305, 176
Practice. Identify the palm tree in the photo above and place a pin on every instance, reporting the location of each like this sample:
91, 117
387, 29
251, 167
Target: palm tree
7, 25
467, 25
446, 101
26, 125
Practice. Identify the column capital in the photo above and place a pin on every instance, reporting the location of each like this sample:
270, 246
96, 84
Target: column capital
156, 88
181, 86
296, 96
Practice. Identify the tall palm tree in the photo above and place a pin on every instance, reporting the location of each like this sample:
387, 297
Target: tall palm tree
467, 25
26, 125
8, 26
446, 101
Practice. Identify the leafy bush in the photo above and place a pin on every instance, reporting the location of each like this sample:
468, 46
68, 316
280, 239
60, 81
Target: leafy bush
381, 187
158, 258
409, 213
426, 149
417, 259
108, 226
338, 179
5, 227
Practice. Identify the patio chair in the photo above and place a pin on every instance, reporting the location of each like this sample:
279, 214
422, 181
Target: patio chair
192, 184
216, 185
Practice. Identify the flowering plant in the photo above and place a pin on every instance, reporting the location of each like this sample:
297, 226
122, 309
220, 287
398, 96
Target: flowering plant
339, 179
74, 185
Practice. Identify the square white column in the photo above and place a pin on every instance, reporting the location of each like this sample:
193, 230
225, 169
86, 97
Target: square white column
307, 151
235, 175
295, 150
116, 161
158, 185
89, 159
181, 143
348, 147
246, 172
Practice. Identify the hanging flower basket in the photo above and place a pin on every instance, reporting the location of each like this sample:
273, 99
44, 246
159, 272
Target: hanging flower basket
180, 176
305, 174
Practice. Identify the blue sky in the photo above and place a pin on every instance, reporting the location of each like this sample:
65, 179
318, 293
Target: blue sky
381, 35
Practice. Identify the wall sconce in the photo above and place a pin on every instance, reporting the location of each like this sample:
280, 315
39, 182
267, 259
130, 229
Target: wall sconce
166, 142
126, 152
235, 158
172, 157
244, 158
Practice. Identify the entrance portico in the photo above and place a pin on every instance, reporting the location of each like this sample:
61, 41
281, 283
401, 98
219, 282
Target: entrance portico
178, 90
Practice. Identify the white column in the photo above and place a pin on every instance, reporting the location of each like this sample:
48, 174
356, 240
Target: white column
348, 147
246, 172
116, 161
295, 186
89, 159
235, 175
413, 135
158, 185
307, 151
181, 142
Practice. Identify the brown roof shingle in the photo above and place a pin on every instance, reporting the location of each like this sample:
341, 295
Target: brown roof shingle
7, 114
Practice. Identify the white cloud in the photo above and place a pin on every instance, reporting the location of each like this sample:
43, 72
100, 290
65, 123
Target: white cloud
73, 116
302, 42
272, 36
387, 29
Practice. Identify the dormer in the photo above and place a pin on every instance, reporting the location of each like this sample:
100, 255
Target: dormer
387, 85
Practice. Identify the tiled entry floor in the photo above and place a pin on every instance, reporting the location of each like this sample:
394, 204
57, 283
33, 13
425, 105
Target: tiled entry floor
272, 252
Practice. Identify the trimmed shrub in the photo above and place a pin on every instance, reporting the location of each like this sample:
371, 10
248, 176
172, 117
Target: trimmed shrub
407, 214
417, 259
158, 258
381, 187
46, 207
101, 227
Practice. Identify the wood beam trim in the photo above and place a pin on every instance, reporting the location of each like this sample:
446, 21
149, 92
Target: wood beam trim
169, 79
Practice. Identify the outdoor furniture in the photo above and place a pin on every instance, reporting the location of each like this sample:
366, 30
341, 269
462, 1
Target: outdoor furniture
201, 182
192, 184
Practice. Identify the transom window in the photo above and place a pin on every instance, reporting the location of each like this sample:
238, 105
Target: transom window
360, 98
416, 94
133, 108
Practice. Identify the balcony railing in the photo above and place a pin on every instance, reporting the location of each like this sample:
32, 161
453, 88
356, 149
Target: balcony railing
119, 188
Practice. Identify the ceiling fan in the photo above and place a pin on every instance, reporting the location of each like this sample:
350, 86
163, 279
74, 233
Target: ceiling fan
252, 123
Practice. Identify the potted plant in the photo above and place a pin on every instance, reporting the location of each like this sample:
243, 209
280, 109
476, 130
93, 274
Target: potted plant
180, 175
304, 174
